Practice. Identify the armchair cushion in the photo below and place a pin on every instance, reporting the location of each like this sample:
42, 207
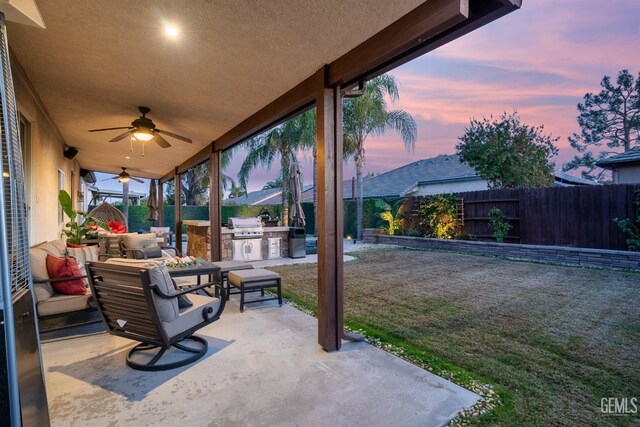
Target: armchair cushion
65, 267
167, 308
84, 254
146, 243
191, 316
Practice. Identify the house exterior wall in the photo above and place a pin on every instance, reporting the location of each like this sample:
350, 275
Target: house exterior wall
45, 160
627, 174
451, 187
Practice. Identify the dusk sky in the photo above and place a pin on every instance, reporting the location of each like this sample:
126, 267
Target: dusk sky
540, 61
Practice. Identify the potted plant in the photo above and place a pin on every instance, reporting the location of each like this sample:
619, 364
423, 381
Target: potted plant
75, 231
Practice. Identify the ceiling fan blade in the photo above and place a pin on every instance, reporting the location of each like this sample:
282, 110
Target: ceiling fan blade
182, 138
100, 130
161, 141
137, 179
119, 137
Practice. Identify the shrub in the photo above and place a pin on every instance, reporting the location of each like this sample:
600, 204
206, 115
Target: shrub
463, 235
412, 232
499, 223
631, 228
394, 222
440, 216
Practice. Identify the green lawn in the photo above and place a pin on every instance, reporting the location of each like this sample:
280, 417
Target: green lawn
553, 340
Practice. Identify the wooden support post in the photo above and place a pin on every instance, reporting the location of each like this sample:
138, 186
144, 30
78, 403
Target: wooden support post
215, 205
160, 193
330, 216
177, 195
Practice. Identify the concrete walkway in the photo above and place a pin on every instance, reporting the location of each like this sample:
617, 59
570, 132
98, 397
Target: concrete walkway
349, 247
264, 368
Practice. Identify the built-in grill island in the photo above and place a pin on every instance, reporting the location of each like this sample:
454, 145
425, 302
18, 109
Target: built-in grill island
247, 238
243, 239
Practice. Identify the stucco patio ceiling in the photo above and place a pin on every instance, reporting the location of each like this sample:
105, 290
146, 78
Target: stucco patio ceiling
97, 61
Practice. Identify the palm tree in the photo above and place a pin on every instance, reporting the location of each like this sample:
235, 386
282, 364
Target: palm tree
281, 142
276, 184
236, 191
369, 115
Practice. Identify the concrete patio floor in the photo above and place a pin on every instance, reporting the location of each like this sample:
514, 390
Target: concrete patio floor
263, 368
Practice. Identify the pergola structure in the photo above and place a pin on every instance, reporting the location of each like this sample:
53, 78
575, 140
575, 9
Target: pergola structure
432, 24
65, 69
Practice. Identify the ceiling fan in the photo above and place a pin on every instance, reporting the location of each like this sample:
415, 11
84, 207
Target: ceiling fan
125, 177
144, 129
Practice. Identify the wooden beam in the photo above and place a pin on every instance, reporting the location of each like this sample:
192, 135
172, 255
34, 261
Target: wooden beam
416, 27
160, 204
215, 205
330, 213
168, 176
177, 196
200, 157
481, 12
293, 102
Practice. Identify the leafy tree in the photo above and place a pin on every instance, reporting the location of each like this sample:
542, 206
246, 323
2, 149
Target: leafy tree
281, 142
611, 117
368, 115
508, 153
194, 187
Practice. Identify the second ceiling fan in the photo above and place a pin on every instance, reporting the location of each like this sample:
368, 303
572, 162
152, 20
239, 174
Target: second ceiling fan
144, 129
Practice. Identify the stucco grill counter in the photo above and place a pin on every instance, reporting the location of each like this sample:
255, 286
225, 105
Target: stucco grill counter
199, 242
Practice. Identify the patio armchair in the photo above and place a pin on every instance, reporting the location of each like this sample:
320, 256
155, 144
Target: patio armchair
144, 246
139, 302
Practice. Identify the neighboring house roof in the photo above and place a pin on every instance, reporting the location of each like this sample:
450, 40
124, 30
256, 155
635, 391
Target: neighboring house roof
404, 180
271, 196
565, 180
630, 156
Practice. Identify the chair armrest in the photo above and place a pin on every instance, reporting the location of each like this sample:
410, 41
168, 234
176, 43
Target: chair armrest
173, 248
161, 294
135, 252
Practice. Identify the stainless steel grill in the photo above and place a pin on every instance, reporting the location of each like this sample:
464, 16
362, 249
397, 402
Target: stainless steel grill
246, 228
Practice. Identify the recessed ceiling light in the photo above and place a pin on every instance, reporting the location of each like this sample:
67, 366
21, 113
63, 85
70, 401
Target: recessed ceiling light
171, 31
127, 157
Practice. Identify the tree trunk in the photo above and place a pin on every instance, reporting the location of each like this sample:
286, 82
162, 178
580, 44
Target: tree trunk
359, 193
286, 165
315, 193
125, 203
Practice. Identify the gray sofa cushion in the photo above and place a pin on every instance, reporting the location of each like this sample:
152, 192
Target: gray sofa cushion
254, 275
60, 303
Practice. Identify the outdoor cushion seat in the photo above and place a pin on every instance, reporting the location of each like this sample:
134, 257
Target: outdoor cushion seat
254, 280
60, 303
137, 300
48, 301
191, 316
227, 266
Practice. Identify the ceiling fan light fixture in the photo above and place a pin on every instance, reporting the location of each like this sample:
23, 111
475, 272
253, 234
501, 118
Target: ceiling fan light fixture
142, 134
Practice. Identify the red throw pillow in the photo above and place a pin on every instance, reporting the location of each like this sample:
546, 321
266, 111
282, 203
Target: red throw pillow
117, 227
65, 267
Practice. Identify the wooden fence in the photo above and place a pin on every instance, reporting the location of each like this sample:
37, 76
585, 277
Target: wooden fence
570, 216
